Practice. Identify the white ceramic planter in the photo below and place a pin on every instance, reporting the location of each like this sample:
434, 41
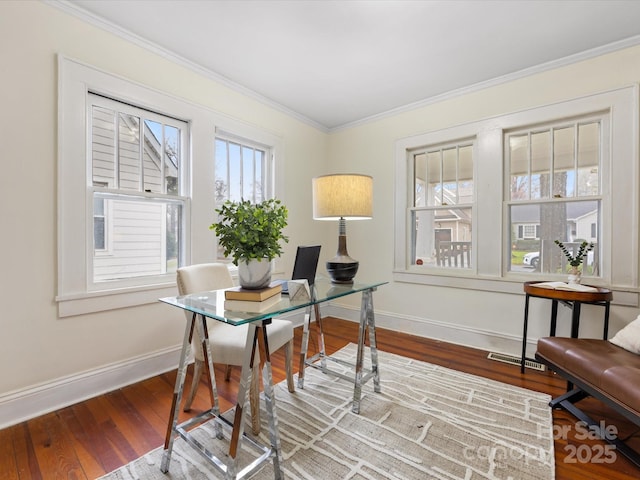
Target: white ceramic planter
254, 274
575, 276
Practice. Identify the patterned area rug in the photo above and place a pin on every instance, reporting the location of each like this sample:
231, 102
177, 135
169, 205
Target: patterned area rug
428, 422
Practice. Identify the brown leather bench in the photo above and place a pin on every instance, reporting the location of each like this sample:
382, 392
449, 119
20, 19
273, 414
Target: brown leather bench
600, 369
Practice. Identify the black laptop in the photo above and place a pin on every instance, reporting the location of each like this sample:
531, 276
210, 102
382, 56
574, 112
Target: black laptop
305, 265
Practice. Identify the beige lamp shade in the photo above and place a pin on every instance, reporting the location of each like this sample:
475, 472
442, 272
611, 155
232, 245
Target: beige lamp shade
348, 196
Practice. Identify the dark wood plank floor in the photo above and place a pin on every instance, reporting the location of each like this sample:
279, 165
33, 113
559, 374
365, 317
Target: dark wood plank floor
89, 439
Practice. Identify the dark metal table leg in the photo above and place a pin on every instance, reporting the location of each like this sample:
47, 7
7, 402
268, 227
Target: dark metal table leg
605, 330
575, 319
554, 318
524, 332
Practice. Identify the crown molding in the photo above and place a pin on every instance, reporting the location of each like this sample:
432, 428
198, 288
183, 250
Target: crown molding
543, 67
77, 11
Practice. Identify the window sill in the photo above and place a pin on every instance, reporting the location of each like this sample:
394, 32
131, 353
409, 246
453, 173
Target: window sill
622, 295
84, 303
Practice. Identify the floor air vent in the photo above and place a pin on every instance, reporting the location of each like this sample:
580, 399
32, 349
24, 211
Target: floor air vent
513, 360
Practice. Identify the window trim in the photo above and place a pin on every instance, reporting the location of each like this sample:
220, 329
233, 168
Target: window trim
76, 80
490, 213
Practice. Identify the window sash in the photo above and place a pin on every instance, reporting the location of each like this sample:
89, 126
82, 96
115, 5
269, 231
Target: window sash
242, 170
559, 160
121, 161
558, 164
443, 175
135, 178
149, 232
441, 214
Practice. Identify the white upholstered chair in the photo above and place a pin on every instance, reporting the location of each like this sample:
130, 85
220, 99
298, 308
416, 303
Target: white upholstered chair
228, 341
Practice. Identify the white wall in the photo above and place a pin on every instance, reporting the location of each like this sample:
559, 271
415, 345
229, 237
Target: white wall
46, 361
478, 318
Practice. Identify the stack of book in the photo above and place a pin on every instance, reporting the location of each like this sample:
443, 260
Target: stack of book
253, 301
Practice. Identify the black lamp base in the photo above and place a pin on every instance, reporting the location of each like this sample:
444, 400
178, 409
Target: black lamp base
342, 272
342, 268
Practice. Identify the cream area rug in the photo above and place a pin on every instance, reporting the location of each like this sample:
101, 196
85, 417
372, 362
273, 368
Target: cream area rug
428, 422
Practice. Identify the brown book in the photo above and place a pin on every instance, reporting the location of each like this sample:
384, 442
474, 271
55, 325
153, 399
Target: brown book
252, 307
249, 295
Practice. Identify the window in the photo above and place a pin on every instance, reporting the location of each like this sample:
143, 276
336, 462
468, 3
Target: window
567, 171
135, 163
124, 189
553, 176
442, 205
527, 231
242, 172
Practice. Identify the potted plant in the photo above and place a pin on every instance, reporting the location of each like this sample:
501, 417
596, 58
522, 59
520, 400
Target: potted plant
575, 261
250, 234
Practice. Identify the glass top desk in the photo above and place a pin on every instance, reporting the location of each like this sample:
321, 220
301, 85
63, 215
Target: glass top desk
211, 305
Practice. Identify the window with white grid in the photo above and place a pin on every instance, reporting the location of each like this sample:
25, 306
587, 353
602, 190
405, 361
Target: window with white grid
554, 191
135, 160
442, 206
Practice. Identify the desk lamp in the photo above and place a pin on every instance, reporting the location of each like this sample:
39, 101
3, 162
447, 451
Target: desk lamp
341, 197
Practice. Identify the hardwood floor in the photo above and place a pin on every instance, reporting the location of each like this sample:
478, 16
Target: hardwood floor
89, 439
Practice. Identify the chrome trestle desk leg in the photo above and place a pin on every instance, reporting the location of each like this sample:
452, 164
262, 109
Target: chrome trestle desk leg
270, 402
361, 376
366, 320
305, 341
177, 396
304, 346
229, 468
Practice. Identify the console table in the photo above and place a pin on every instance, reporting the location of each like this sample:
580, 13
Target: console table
211, 305
572, 299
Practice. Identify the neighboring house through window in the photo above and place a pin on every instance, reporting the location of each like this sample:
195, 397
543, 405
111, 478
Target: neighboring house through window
136, 158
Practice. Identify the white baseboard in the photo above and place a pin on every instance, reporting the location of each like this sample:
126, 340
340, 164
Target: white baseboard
446, 332
21, 405
31, 402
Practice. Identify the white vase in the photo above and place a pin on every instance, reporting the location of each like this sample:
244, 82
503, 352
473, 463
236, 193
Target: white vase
254, 274
575, 275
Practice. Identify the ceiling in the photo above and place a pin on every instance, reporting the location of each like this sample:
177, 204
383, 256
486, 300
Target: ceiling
337, 63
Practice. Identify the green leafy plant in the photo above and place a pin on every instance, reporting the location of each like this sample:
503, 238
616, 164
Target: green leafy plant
575, 260
251, 230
